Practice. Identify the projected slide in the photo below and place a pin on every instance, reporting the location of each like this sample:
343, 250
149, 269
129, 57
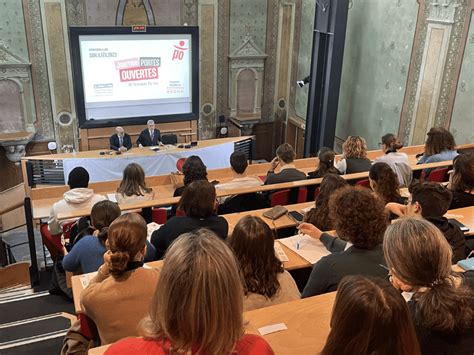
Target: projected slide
136, 75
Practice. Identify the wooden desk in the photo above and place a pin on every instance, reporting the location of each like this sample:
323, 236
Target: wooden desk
465, 216
308, 322
77, 284
282, 222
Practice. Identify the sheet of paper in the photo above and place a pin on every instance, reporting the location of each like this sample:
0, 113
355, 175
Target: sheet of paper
111, 197
280, 253
272, 328
150, 228
308, 248
86, 278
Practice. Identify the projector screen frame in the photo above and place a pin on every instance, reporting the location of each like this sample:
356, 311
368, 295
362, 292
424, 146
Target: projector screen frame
75, 32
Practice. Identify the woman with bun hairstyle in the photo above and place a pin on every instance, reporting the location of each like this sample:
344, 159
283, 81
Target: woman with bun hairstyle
419, 259
197, 306
390, 144
87, 253
118, 297
370, 317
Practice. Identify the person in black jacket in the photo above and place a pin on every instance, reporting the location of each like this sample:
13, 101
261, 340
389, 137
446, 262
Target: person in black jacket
442, 305
431, 200
120, 140
288, 172
199, 204
150, 136
359, 219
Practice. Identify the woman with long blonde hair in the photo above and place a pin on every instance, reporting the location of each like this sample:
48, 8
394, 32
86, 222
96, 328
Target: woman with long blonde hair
419, 259
198, 303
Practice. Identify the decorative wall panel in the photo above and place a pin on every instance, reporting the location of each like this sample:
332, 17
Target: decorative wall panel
377, 52
462, 122
207, 19
247, 17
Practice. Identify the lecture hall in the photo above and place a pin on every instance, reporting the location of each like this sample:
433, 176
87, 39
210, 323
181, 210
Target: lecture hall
251, 177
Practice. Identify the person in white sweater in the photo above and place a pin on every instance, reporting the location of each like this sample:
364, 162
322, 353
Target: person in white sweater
79, 197
397, 161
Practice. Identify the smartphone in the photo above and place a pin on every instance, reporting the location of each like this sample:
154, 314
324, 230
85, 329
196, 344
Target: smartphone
461, 226
296, 216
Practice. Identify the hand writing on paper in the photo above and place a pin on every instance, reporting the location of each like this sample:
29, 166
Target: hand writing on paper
309, 229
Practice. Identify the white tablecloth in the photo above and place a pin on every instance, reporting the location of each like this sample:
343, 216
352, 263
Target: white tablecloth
162, 163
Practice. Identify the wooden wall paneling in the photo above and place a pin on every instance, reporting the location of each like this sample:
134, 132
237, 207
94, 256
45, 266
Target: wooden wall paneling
263, 140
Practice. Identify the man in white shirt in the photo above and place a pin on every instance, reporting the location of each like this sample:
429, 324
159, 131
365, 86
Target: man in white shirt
239, 163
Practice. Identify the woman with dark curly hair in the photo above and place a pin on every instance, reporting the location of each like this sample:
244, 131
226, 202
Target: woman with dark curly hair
461, 181
265, 281
384, 183
360, 220
319, 215
193, 170
439, 146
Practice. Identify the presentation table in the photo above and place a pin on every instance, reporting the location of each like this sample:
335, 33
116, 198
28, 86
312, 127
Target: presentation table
106, 165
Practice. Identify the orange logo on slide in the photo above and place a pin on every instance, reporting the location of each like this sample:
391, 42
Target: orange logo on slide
178, 53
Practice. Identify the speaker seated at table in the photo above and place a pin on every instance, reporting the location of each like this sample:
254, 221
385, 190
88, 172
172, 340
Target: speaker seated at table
150, 136
120, 140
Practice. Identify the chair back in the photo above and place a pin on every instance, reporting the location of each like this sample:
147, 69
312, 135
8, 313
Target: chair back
159, 215
281, 198
302, 194
438, 175
169, 139
180, 163
52, 242
364, 183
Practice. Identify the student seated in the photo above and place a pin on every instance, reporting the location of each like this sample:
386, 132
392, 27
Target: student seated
79, 197
197, 306
359, 218
319, 215
119, 296
384, 183
326, 164
439, 146
132, 188
193, 170
431, 201
238, 164
442, 307
120, 140
199, 205
265, 281
354, 156
288, 172
397, 161
369, 316
87, 254
461, 181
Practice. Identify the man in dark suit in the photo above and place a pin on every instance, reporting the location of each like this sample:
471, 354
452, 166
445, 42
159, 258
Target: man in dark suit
150, 136
120, 140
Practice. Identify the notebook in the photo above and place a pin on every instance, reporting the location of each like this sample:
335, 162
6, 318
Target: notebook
308, 248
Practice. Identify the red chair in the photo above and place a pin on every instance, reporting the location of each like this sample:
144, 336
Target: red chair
280, 198
180, 163
52, 242
364, 183
159, 215
67, 229
438, 175
316, 192
302, 195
